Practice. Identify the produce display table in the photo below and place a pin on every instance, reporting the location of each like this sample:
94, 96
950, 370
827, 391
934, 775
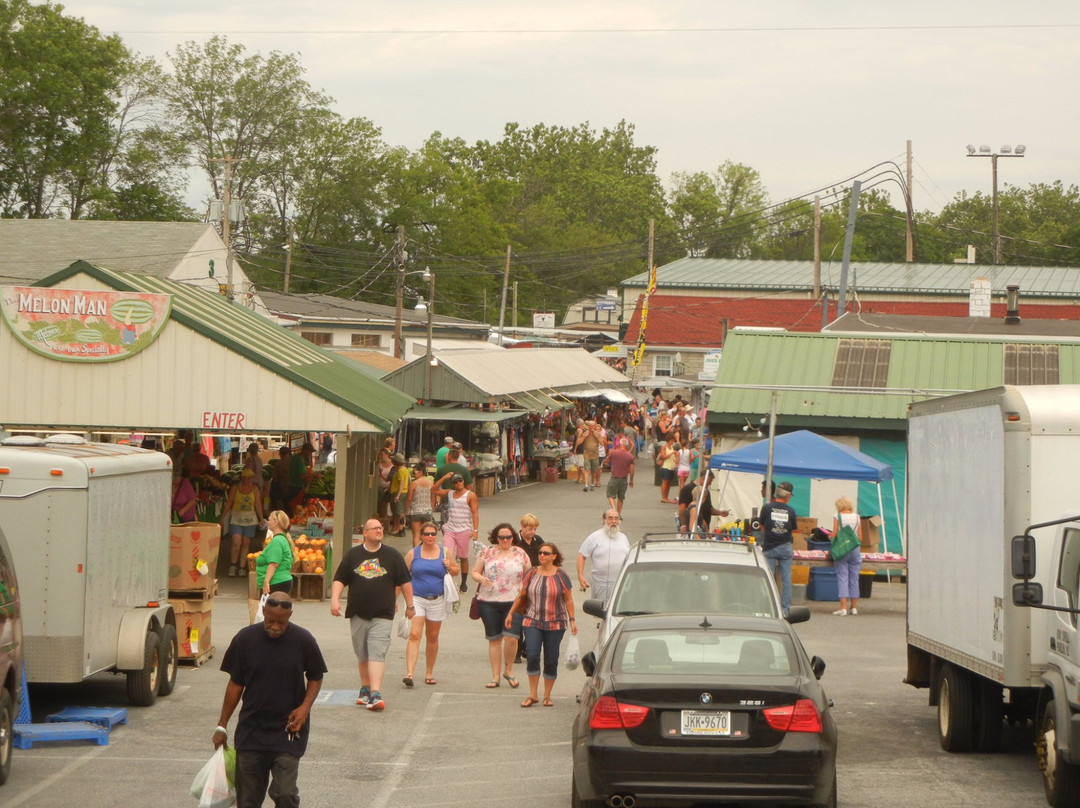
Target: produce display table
874, 561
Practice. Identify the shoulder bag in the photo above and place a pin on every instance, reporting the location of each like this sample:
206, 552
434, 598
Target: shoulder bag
844, 541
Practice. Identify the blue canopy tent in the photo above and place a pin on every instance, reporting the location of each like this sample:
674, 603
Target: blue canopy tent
805, 454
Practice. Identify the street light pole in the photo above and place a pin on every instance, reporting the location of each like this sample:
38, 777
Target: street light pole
430, 310
1005, 151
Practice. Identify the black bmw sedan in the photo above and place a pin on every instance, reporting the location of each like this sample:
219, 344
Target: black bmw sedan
682, 709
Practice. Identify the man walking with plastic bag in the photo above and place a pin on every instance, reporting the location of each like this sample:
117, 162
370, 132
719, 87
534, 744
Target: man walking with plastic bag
277, 669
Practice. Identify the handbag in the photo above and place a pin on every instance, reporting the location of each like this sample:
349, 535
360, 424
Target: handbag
844, 541
474, 608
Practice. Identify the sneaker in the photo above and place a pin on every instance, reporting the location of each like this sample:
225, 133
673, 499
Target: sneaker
365, 696
586, 488
376, 703
854, 611
232, 571
841, 612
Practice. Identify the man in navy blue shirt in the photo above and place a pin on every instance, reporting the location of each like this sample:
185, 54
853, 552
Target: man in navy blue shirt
777, 523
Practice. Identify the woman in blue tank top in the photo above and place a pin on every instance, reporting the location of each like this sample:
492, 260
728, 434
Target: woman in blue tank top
429, 563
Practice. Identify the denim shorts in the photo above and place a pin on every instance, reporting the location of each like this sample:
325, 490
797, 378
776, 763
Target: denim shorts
247, 531
493, 615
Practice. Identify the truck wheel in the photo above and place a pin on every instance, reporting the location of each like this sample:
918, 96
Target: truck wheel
956, 713
170, 660
989, 715
142, 685
7, 732
1061, 780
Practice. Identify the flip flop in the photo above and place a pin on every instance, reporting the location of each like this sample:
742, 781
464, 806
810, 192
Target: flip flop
492, 684
529, 702
511, 680
549, 703
408, 681
430, 682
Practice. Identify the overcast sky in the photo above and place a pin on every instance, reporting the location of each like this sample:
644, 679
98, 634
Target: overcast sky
808, 92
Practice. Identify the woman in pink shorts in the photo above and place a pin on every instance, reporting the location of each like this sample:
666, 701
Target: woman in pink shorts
462, 524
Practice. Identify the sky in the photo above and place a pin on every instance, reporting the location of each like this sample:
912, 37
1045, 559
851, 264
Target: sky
807, 92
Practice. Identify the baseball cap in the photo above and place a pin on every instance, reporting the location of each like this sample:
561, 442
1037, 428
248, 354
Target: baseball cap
398, 457
457, 478
448, 439
785, 486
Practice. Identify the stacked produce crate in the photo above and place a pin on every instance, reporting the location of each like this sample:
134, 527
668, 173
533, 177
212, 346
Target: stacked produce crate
193, 554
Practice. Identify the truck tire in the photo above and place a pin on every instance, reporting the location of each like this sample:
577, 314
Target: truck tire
1061, 780
956, 710
142, 685
7, 733
989, 715
170, 660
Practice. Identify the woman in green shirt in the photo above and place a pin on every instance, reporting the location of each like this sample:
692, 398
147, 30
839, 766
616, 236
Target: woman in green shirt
273, 567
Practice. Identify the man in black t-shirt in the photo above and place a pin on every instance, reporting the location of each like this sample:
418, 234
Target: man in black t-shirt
689, 510
373, 572
277, 669
777, 523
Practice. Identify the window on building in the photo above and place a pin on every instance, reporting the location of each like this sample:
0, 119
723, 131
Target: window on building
316, 337
862, 363
663, 365
366, 341
590, 314
1031, 364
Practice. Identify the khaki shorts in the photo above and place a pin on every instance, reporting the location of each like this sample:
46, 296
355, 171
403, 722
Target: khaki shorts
370, 638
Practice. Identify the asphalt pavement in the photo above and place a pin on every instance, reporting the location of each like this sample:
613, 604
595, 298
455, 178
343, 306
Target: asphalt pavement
459, 744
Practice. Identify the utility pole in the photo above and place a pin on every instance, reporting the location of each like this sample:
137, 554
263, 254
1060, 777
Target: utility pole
849, 234
1005, 151
652, 242
910, 210
399, 285
288, 256
502, 303
817, 247
226, 220
514, 309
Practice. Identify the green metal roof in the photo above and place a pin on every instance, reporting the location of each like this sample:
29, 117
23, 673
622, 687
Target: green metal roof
353, 386
920, 367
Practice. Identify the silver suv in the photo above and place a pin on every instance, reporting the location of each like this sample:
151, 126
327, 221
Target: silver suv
673, 574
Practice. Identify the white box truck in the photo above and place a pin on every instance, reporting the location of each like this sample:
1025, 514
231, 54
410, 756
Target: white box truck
88, 527
991, 477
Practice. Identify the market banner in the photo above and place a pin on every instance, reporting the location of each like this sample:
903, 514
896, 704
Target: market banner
82, 325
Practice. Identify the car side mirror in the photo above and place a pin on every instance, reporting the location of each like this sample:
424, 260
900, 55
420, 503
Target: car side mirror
1027, 594
594, 607
1023, 557
817, 665
798, 614
588, 663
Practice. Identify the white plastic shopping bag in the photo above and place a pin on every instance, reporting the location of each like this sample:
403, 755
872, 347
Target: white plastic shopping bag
450, 589
211, 785
403, 627
573, 652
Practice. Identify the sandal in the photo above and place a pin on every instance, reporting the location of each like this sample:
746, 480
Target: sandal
408, 681
529, 702
549, 703
430, 682
511, 680
491, 684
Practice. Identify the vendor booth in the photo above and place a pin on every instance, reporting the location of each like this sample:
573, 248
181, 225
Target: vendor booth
97, 350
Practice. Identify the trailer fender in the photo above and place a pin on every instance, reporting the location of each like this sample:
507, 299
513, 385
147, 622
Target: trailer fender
131, 639
1064, 716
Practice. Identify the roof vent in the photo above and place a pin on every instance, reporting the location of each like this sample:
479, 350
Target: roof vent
1012, 304
22, 440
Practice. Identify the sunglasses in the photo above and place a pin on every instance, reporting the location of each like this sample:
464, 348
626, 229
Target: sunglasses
505, 537
545, 552
274, 603
429, 534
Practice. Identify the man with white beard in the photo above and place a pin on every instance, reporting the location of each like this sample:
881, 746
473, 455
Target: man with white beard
605, 549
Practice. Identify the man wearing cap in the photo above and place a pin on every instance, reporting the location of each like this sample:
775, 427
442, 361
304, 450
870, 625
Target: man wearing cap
399, 487
277, 669
621, 462
453, 465
777, 523
440, 456
590, 449
695, 505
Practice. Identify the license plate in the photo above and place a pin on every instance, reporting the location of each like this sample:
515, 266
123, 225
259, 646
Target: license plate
698, 722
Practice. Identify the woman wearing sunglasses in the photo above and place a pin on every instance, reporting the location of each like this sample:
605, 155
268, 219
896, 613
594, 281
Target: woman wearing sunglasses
547, 601
273, 566
500, 570
429, 563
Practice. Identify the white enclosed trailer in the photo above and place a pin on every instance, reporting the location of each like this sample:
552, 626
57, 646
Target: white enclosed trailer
983, 468
88, 525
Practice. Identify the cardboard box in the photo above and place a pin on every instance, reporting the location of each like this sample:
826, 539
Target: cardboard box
805, 524
800, 575
798, 542
869, 535
193, 625
193, 555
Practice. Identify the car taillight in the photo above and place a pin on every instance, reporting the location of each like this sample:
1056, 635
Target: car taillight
610, 713
802, 716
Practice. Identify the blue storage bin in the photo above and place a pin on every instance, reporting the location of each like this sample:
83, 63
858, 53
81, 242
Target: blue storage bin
822, 584
819, 545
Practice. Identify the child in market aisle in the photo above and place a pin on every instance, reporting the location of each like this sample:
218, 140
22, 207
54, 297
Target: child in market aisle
399, 488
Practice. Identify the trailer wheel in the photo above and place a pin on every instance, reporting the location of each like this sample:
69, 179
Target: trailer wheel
1061, 780
989, 715
170, 660
142, 685
956, 713
7, 732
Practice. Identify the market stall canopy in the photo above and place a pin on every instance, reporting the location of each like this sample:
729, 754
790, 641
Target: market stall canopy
804, 454
209, 364
534, 378
422, 413
614, 396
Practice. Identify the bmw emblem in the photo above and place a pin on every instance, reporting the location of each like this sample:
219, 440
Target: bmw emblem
706, 698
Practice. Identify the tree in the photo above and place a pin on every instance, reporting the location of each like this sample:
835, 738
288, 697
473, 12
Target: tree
722, 214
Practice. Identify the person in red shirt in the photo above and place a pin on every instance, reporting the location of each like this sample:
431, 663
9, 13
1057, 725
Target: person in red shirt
621, 462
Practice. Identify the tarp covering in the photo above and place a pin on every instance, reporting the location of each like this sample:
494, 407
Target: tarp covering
804, 454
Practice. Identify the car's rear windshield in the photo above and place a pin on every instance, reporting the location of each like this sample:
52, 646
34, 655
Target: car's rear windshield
679, 587
704, 651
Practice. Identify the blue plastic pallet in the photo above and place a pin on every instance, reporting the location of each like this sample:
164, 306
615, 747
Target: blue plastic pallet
26, 735
107, 717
